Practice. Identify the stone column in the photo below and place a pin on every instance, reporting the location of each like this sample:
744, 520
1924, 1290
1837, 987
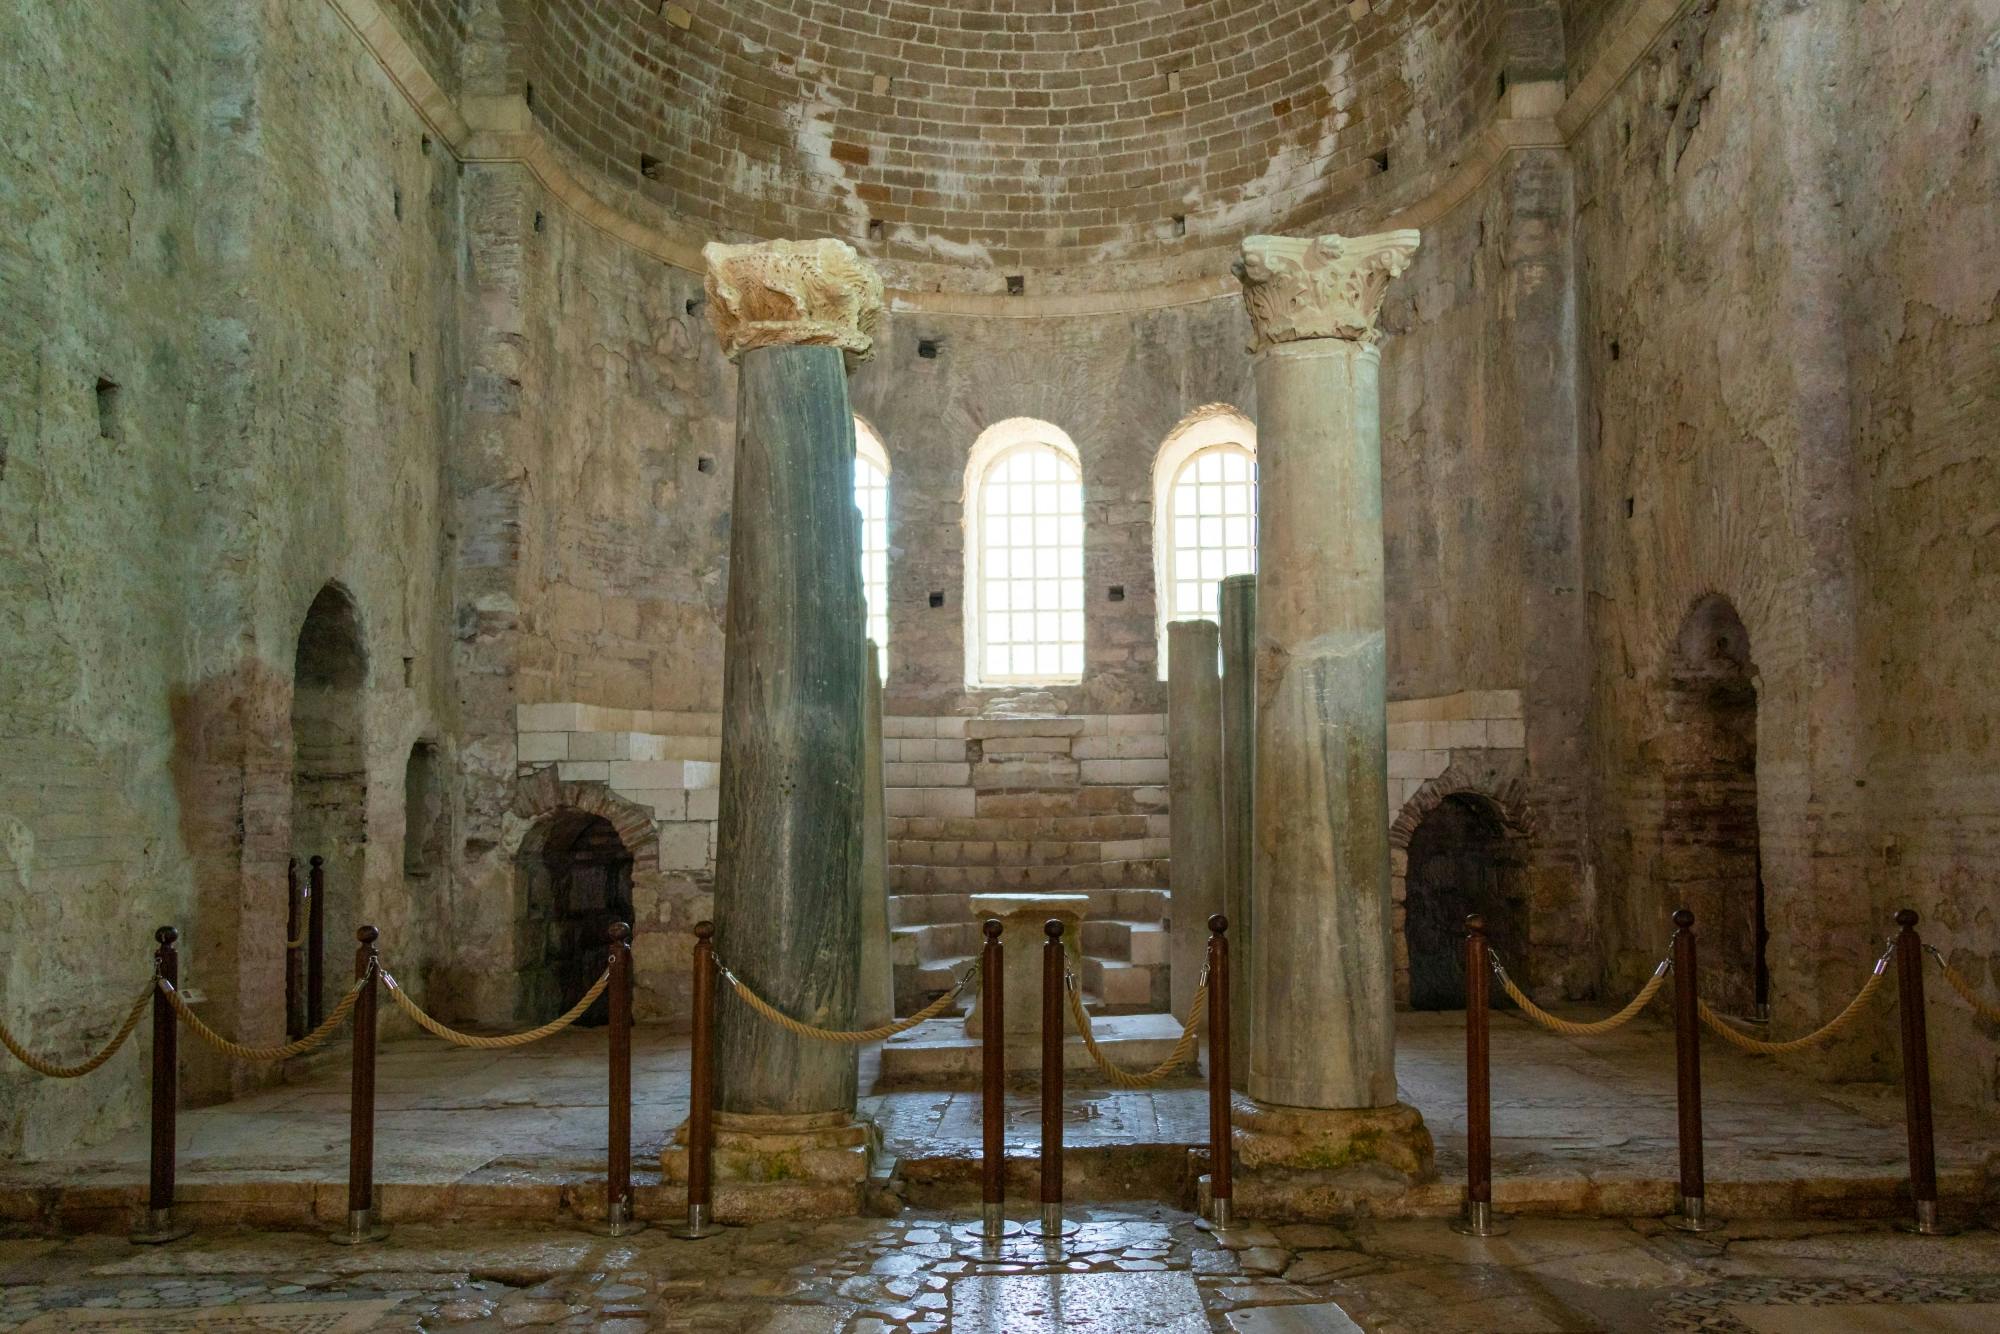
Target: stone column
1324, 1027
788, 846
878, 991
1239, 746
1194, 800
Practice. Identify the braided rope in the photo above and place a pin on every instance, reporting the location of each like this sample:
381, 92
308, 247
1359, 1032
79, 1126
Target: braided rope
1736, 1037
1963, 986
1182, 1051
877, 1034
458, 1039
1575, 1030
54, 1071
242, 1053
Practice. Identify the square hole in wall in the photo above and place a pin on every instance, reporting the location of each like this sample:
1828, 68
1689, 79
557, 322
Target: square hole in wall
704, 464
650, 167
1628, 507
108, 423
1115, 593
1017, 284
875, 229
693, 304
540, 222
927, 348
1381, 161
1180, 224
396, 201
937, 599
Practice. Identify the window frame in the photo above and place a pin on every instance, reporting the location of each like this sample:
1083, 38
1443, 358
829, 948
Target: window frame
869, 449
995, 446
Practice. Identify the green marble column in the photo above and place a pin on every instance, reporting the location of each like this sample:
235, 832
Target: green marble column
1194, 801
789, 842
878, 992
1239, 749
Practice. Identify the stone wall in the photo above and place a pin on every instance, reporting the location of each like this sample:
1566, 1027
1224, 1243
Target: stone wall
227, 370
1788, 252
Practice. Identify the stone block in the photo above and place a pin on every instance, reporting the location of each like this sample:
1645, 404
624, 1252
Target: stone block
903, 726
980, 729
1026, 745
600, 746
1126, 724
541, 747
548, 717
642, 775
1049, 771
583, 771
1405, 736
685, 846
950, 729
704, 803
1434, 762
1465, 734
668, 803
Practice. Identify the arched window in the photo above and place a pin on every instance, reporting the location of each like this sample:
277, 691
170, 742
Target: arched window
1024, 556
871, 497
1204, 513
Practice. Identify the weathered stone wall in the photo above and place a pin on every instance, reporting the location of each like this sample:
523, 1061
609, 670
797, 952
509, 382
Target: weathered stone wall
1790, 259
226, 372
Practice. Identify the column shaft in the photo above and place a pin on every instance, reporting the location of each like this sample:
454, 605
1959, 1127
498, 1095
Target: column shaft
1239, 749
1194, 800
1323, 1033
788, 854
878, 992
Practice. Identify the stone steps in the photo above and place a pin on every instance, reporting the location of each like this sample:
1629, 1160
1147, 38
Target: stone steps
1149, 873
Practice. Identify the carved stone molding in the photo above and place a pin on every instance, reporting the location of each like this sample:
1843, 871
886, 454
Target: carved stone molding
1319, 286
785, 293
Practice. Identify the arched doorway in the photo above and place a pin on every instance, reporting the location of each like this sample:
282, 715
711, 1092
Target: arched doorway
1709, 859
577, 880
329, 774
1462, 860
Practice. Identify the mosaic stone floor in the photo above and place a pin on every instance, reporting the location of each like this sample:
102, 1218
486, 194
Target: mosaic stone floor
1123, 1270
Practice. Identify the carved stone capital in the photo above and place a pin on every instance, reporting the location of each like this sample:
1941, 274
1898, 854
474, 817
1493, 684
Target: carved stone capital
1319, 286
782, 293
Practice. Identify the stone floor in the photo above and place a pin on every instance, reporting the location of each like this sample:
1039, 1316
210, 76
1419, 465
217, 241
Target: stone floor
1123, 1270
1582, 1126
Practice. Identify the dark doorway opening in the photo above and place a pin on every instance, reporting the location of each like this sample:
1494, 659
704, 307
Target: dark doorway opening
1462, 860
329, 784
579, 881
1709, 855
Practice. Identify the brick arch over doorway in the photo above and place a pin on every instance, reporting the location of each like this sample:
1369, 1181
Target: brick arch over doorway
582, 844
1492, 803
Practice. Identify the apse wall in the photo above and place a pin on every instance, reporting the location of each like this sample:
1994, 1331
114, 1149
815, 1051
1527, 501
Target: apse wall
227, 370
975, 141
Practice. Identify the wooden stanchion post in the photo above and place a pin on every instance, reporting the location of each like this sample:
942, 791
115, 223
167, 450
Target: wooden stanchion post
701, 1093
160, 1224
1917, 1078
619, 1218
1693, 1215
295, 1010
1221, 1136
362, 1222
993, 1223
1479, 1219
1054, 965
315, 942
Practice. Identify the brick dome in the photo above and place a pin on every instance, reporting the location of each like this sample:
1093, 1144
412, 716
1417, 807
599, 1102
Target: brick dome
1080, 143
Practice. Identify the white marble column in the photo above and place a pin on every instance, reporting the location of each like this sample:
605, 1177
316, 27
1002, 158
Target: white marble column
878, 991
1194, 800
1323, 1032
1239, 748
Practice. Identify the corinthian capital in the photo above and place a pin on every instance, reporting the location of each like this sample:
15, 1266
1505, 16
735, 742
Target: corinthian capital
1320, 286
780, 293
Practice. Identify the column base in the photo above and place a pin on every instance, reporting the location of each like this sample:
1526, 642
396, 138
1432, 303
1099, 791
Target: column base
771, 1167
1301, 1163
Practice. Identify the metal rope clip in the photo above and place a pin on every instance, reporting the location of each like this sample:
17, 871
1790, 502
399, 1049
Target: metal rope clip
1666, 966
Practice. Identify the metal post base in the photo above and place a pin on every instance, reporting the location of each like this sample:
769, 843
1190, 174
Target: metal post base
1927, 1223
1052, 1225
698, 1225
619, 1222
1479, 1220
161, 1226
1693, 1217
993, 1225
362, 1227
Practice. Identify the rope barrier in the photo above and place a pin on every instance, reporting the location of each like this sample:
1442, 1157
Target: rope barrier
458, 1039
877, 1034
54, 1071
242, 1053
1576, 1030
1736, 1037
1963, 986
1182, 1051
